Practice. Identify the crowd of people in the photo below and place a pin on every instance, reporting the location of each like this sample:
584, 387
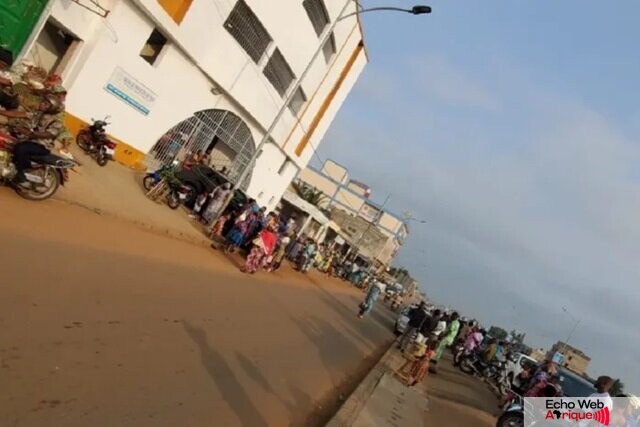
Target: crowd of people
267, 238
32, 103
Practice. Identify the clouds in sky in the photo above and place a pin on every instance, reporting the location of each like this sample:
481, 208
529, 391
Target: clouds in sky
532, 198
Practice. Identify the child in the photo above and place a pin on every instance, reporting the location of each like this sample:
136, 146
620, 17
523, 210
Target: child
420, 366
218, 226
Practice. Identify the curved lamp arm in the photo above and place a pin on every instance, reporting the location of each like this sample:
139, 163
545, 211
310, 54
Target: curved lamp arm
415, 10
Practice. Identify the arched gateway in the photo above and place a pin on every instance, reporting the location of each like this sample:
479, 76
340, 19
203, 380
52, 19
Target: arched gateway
221, 134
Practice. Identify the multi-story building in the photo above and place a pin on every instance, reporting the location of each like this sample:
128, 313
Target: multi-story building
376, 233
574, 359
179, 76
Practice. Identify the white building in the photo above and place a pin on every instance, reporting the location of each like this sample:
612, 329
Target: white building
356, 212
203, 74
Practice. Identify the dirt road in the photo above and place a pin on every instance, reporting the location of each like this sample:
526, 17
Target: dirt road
104, 324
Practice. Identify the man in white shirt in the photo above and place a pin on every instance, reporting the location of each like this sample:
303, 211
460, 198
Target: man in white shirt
603, 385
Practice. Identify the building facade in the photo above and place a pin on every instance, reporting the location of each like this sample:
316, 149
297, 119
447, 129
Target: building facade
574, 359
376, 233
179, 76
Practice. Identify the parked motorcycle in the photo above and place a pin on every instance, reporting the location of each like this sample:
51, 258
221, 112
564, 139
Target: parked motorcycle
94, 141
178, 194
43, 178
151, 179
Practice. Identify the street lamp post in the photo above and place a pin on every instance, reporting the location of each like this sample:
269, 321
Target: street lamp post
416, 10
573, 329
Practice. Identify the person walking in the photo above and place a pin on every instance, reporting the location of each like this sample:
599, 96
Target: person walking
375, 290
262, 248
420, 366
417, 317
448, 339
279, 254
236, 235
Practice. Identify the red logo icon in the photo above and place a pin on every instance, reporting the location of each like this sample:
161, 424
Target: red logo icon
602, 416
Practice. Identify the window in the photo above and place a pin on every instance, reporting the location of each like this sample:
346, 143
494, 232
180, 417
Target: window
297, 102
329, 48
278, 72
247, 29
176, 9
317, 13
152, 48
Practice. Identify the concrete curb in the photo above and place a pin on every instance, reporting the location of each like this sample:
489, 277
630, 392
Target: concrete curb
356, 402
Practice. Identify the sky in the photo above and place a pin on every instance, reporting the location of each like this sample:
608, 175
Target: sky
512, 127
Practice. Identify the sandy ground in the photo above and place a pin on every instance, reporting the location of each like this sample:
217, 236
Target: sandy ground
104, 324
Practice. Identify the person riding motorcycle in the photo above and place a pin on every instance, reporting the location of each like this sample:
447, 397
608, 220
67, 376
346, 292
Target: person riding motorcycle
473, 340
46, 127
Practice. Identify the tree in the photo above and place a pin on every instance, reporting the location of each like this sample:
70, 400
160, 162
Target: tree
310, 194
497, 332
617, 388
516, 336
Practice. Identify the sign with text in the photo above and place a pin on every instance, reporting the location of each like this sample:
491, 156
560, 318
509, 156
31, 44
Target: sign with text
579, 411
125, 87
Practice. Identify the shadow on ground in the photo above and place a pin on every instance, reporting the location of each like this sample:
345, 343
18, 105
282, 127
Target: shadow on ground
224, 378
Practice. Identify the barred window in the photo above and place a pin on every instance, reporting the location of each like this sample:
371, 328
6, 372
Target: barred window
247, 29
297, 102
278, 72
317, 14
329, 48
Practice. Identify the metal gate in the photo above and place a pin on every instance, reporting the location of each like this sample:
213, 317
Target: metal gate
222, 135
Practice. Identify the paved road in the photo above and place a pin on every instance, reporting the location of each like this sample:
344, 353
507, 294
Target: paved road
459, 400
104, 324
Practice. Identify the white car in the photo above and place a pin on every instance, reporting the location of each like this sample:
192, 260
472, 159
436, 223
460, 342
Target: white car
515, 365
402, 321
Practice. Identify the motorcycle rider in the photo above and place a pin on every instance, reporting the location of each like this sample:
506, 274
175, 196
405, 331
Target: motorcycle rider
41, 128
473, 340
417, 317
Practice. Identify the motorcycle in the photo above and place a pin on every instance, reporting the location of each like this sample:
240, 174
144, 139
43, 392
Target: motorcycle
458, 353
151, 179
513, 415
94, 141
473, 364
46, 174
502, 380
178, 194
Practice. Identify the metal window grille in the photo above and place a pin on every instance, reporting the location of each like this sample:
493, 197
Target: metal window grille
248, 31
278, 72
297, 101
317, 13
329, 48
206, 131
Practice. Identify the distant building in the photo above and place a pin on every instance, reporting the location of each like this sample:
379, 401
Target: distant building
574, 359
376, 233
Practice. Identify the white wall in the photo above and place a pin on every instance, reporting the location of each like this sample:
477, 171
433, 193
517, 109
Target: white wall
202, 55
